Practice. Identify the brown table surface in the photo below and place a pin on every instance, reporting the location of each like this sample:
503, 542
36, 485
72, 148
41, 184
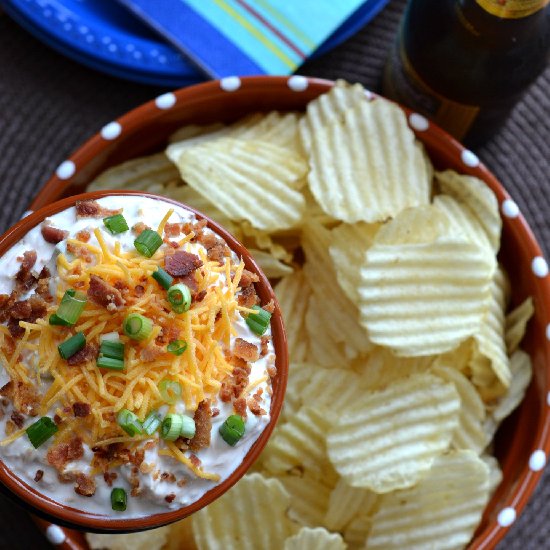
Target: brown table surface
49, 105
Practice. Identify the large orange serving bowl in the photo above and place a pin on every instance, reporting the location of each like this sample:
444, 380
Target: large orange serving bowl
523, 441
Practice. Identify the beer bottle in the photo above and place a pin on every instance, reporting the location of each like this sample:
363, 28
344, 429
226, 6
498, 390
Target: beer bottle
465, 63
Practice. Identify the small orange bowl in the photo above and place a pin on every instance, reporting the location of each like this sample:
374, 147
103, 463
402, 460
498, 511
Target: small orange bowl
523, 441
79, 518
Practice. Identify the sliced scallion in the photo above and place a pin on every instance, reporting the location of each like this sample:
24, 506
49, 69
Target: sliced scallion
41, 431
177, 347
137, 326
259, 321
188, 427
110, 337
179, 297
55, 320
118, 499
110, 363
114, 350
162, 278
71, 346
170, 391
152, 422
69, 310
116, 224
171, 427
129, 422
232, 429
148, 242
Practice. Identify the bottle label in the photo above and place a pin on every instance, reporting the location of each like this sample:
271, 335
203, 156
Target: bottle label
403, 84
512, 9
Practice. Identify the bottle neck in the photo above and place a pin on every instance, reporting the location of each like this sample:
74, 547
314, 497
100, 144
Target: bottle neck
511, 9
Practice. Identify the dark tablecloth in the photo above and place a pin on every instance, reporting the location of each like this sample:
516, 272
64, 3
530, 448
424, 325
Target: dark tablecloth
49, 105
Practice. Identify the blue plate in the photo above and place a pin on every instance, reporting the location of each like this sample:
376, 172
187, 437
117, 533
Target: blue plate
103, 35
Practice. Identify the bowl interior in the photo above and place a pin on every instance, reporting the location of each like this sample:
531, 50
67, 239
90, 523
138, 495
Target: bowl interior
146, 129
64, 515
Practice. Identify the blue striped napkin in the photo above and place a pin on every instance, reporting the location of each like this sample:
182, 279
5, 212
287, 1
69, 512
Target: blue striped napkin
245, 37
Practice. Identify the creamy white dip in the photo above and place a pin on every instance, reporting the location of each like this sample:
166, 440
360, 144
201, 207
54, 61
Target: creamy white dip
220, 458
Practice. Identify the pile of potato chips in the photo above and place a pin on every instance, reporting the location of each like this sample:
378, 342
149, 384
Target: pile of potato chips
404, 360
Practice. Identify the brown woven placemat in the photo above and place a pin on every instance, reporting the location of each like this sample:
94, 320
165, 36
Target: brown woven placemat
49, 105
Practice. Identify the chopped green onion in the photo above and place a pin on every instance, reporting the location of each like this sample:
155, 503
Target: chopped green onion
162, 278
129, 422
188, 427
152, 422
232, 429
41, 431
118, 499
110, 363
171, 427
137, 326
110, 337
258, 322
177, 347
148, 242
170, 390
116, 224
69, 310
71, 346
114, 350
179, 297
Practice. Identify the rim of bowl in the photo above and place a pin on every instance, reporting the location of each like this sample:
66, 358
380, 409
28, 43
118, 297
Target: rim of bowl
427, 132
72, 516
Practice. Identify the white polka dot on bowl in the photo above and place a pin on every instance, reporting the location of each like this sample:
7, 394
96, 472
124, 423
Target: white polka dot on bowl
537, 461
111, 131
539, 267
165, 101
297, 83
55, 535
548, 331
65, 170
506, 517
230, 83
510, 209
418, 122
469, 159
548, 398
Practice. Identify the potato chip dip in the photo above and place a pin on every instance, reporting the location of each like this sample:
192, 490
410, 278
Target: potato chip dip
136, 359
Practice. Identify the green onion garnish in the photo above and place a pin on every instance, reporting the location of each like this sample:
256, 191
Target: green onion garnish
116, 224
137, 326
129, 422
110, 336
110, 363
188, 427
148, 242
162, 278
177, 347
152, 422
171, 426
41, 431
118, 499
179, 297
114, 350
69, 310
232, 429
258, 322
170, 391
71, 346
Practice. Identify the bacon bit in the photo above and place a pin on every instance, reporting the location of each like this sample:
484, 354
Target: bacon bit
149, 445
197, 228
18, 419
84, 485
53, 235
23, 396
169, 477
272, 371
139, 290
248, 297
270, 306
245, 350
43, 286
170, 498
62, 453
80, 251
10, 427
21, 310
156, 475
83, 236
181, 263
57, 419
254, 403
134, 482
208, 240
195, 460
199, 296
104, 294
247, 278
151, 352
182, 444
215, 412
39, 308
24, 278
173, 229
139, 228
92, 209
86, 354
217, 253
203, 426
226, 391
137, 457
109, 477
81, 410
146, 467
240, 406
181, 482
264, 342
38, 475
